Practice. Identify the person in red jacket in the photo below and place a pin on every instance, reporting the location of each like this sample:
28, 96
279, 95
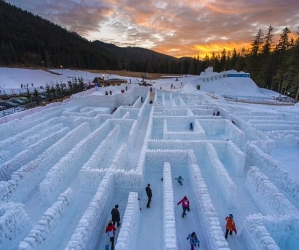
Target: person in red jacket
110, 230
230, 225
185, 205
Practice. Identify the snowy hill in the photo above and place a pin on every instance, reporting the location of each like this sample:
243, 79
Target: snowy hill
63, 167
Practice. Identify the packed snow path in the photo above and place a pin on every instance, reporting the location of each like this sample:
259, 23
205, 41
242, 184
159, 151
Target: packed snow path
65, 166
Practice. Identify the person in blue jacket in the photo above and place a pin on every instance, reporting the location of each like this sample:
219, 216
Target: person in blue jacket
180, 180
191, 126
194, 241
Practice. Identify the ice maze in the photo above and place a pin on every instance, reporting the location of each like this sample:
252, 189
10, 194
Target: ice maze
64, 167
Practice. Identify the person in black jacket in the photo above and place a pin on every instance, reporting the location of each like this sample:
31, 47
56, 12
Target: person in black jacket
115, 216
149, 195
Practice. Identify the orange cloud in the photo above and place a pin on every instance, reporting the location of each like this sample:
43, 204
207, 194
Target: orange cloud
177, 28
201, 50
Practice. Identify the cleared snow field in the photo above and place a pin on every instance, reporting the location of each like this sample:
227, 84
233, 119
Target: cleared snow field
63, 168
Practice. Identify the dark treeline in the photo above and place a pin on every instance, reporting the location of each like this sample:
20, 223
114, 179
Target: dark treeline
31, 41
271, 65
28, 40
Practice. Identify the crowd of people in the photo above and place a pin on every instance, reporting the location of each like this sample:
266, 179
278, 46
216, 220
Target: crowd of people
192, 237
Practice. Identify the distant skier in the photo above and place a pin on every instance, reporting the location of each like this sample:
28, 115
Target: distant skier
230, 225
180, 180
115, 216
185, 205
191, 126
110, 230
218, 113
149, 195
194, 241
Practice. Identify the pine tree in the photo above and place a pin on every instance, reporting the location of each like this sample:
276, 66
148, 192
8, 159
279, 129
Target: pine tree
257, 43
284, 42
268, 41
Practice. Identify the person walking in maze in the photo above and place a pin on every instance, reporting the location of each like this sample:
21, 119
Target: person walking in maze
191, 126
110, 230
115, 216
180, 180
149, 195
230, 225
194, 241
185, 205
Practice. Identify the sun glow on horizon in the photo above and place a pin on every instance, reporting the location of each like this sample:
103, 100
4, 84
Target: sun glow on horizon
202, 50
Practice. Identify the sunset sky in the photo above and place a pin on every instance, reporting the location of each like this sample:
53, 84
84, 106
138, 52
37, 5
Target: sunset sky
173, 27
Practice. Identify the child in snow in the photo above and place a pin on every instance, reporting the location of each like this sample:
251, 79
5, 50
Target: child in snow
191, 126
180, 179
230, 225
185, 205
110, 230
194, 241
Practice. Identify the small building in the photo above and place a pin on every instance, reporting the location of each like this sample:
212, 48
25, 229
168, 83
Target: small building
109, 82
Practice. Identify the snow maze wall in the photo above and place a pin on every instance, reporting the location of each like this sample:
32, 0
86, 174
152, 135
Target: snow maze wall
63, 166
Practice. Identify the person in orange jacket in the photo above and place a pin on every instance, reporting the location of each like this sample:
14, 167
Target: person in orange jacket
110, 229
230, 225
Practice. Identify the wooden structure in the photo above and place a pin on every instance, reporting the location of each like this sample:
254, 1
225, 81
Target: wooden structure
109, 82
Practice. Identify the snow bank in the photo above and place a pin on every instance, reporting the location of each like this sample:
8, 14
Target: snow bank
94, 218
13, 143
28, 177
230, 156
221, 84
61, 174
170, 235
224, 181
85, 112
33, 139
47, 227
269, 127
99, 157
271, 167
121, 159
121, 111
133, 135
202, 111
29, 154
203, 203
259, 183
286, 138
171, 124
224, 129
142, 157
251, 134
256, 236
129, 229
111, 101
94, 122
14, 224
125, 124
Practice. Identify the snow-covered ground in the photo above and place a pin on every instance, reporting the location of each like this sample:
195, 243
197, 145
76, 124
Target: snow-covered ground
63, 167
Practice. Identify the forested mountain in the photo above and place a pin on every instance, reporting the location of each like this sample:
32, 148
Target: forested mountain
28, 40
